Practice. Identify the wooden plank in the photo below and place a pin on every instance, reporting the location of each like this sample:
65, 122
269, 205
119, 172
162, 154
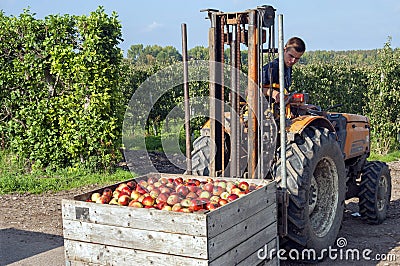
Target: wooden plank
257, 257
168, 243
247, 247
140, 218
227, 216
238, 233
81, 253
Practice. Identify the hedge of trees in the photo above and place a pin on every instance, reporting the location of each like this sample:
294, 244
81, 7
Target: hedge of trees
65, 86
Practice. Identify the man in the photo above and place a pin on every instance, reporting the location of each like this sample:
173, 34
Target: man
294, 49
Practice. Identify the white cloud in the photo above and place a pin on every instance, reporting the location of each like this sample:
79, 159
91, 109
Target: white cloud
152, 26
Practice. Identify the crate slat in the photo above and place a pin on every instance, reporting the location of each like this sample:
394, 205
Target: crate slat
83, 253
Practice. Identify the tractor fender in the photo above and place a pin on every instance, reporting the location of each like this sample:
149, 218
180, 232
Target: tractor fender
298, 124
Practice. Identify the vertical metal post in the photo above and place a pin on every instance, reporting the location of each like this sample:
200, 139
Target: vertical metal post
252, 94
215, 93
186, 97
234, 120
282, 116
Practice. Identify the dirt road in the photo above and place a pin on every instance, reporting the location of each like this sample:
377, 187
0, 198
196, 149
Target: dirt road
31, 230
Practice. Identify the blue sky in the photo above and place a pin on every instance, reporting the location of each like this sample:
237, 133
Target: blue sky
324, 25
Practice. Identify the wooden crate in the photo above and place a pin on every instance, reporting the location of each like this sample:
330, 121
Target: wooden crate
234, 234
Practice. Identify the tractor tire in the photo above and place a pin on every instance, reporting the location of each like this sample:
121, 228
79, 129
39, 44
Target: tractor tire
201, 156
375, 192
316, 186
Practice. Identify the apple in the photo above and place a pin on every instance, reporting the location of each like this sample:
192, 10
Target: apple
148, 201
107, 192
224, 195
212, 206
252, 186
205, 194
143, 183
126, 190
242, 193
209, 187
222, 202
217, 190
187, 210
151, 180
191, 195
185, 203
229, 186
176, 207
113, 201
196, 204
165, 190
215, 198
160, 205
229, 189
182, 190
95, 196
167, 208
123, 200
131, 184
103, 199
135, 204
150, 187
244, 185
221, 183
192, 187
154, 193
235, 190
232, 197
162, 197
210, 180
163, 180
141, 189
173, 199
141, 197
135, 195
157, 184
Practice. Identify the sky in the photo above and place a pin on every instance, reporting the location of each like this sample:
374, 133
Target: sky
324, 25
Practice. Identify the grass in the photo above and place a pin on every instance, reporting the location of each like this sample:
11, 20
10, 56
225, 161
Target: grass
15, 179
390, 157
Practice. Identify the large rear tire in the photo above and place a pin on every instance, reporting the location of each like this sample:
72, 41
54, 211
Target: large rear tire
375, 192
316, 185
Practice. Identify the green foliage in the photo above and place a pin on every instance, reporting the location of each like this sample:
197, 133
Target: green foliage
60, 102
15, 179
153, 54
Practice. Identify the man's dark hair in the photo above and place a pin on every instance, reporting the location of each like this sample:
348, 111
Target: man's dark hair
297, 44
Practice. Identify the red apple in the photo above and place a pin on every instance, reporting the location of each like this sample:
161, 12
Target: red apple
235, 190
103, 199
163, 180
123, 200
192, 187
210, 180
217, 190
222, 202
244, 185
212, 206
141, 189
135, 204
107, 192
191, 195
131, 184
160, 205
151, 180
143, 183
148, 201
126, 190
182, 190
154, 193
209, 187
196, 204
173, 199
135, 195
232, 197
165, 190
157, 184
162, 197
242, 193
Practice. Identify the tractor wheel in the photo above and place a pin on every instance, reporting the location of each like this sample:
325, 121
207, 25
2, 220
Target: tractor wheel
201, 156
316, 187
375, 192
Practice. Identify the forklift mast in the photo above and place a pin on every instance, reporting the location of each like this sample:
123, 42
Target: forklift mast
253, 28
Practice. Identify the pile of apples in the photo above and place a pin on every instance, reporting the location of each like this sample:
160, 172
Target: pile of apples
175, 194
